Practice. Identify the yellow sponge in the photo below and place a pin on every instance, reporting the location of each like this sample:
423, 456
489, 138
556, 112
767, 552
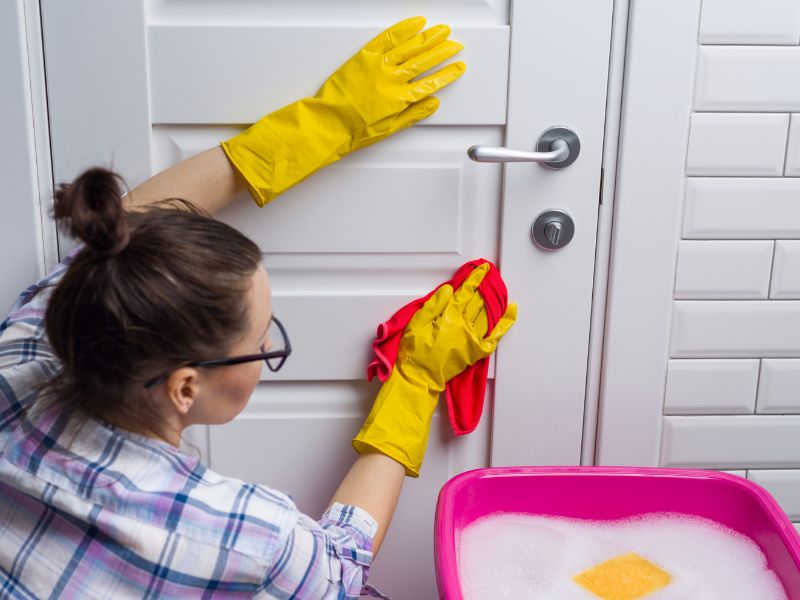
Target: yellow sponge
626, 577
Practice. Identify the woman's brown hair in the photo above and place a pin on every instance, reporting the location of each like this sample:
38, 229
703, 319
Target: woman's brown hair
149, 291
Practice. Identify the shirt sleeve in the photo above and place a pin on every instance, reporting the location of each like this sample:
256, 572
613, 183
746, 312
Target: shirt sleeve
324, 559
26, 358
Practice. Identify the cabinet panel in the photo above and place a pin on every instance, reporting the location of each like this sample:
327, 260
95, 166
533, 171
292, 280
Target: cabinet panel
204, 91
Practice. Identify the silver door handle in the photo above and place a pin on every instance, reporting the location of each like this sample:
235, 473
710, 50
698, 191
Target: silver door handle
557, 148
559, 152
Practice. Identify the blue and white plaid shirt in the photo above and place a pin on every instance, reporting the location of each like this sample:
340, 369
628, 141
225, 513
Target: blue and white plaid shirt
100, 512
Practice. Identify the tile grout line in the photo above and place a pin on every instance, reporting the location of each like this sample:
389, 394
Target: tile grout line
786, 148
758, 384
772, 269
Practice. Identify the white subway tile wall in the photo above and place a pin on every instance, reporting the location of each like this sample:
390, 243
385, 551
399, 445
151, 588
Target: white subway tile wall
786, 271
737, 143
779, 386
736, 329
724, 270
731, 442
737, 473
784, 485
748, 22
705, 387
742, 208
732, 397
748, 79
792, 168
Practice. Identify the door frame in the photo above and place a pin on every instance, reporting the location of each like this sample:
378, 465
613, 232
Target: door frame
654, 132
38, 146
523, 434
605, 217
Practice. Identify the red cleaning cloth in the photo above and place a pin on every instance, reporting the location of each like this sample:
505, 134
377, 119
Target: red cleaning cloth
465, 391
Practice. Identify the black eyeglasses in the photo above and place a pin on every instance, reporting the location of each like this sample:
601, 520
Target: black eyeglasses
273, 358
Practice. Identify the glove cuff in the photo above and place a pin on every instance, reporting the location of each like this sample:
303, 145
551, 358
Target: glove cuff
362, 446
399, 422
286, 146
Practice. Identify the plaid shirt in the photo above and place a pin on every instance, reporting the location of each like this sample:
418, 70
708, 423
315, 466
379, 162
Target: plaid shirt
100, 512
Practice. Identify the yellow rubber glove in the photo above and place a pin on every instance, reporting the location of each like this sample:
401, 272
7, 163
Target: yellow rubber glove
367, 99
445, 336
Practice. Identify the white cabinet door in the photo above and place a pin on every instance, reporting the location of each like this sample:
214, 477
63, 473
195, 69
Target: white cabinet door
142, 85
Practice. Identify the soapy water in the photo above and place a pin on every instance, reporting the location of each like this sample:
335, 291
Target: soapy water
518, 556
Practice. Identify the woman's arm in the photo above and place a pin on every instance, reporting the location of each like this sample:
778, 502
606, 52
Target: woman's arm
390, 94
373, 483
208, 179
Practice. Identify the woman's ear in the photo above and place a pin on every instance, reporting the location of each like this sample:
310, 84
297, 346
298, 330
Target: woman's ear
182, 387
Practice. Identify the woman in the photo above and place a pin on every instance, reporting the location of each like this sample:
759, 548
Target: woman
160, 320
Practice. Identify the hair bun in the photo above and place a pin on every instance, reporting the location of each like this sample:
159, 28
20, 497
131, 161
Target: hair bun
90, 209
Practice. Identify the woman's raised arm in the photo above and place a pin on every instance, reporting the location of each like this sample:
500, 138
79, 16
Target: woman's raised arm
380, 90
208, 179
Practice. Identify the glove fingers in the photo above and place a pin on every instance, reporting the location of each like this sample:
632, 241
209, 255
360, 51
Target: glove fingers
411, 115
430, 58
481, 324
395, 35
433, 83
415, 112
432, 308
503, 325
419, 43
469, 287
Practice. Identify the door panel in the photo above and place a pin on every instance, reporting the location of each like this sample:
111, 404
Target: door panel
364, 237
325, 12
191, 80
97, 85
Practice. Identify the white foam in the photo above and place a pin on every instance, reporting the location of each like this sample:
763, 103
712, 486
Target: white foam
507, 556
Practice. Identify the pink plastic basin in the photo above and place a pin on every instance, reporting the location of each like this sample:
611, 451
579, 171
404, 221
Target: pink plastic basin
607, 493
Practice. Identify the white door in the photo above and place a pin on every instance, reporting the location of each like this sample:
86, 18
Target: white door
142, 85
